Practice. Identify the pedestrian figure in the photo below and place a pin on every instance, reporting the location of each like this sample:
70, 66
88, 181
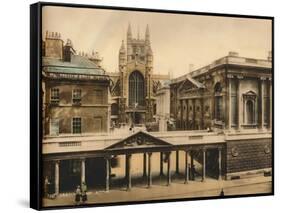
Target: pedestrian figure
46, 187
77, 195
222, 193
84, 192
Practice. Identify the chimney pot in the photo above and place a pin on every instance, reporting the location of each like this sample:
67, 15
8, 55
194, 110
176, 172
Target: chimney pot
233, 53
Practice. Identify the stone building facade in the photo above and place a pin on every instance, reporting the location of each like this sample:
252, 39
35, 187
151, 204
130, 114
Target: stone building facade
163, 106
75, 103
133, 89
76, 91
231, 95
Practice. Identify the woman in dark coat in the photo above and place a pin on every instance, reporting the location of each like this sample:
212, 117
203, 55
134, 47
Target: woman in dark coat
77, 195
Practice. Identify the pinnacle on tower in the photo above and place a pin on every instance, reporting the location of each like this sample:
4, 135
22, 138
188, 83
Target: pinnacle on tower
122, 48
129, 32
147, 34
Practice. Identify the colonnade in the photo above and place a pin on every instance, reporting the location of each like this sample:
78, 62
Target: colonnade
165, 157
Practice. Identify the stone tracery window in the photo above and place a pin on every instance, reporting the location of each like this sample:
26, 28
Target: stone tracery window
136, 89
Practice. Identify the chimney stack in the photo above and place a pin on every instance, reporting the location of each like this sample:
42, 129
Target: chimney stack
68, 51
233, 54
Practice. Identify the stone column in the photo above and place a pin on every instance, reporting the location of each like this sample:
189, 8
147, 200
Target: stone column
202, 112
203, 164
168, 168
161, 164
107, 171
144, 165
229, 77
187, 115
194, 115
220, 163
128, 172
177, 162
181, 114
57, 177
239, 103
149, 178
192, 166
83, 171
270, 105
261, 103
186, 168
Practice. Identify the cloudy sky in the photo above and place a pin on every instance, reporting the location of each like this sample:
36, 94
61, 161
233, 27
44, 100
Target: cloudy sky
177, 40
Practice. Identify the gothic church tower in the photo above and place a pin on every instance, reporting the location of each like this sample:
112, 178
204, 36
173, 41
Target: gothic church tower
136, 68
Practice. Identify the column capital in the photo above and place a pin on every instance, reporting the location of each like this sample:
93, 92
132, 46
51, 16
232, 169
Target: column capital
262, 78
229, 76
239, 77
168, 153
107, 157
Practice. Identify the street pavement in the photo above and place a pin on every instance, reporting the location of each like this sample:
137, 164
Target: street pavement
159, 191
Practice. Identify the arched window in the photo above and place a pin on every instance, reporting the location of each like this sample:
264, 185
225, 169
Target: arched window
136, 89
218, 101
250, 111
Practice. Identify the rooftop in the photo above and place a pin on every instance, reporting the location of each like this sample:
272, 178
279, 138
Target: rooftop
78, 65
232, 59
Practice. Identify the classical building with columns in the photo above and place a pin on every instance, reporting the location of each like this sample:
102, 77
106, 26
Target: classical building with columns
232, 95
134, 87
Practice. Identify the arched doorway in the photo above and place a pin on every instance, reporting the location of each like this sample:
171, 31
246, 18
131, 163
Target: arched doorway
136, 89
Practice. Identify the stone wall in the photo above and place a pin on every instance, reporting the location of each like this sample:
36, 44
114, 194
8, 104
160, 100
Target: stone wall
94, 109
248, 155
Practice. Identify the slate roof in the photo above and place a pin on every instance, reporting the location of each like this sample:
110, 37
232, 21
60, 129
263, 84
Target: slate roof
78, 65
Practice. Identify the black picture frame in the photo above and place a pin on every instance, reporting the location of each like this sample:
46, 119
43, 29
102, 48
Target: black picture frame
36, 177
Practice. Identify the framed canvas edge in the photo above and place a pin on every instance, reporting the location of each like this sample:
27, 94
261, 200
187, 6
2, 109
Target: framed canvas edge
36, 104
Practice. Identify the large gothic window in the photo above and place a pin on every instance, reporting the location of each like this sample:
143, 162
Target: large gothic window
136, 89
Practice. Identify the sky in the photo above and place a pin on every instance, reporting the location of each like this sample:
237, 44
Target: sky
177, 40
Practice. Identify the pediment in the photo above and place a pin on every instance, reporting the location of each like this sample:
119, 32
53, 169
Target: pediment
250, 93
190, 84
140, 139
